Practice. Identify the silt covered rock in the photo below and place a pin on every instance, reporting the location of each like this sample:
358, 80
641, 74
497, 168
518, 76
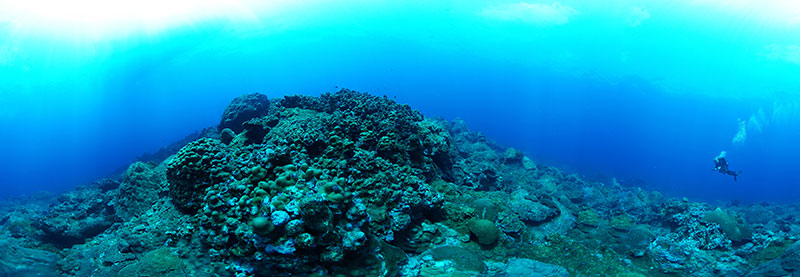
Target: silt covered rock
77, 216
141, 187
16, 260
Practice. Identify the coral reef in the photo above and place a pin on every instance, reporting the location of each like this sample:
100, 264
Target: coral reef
78, 215
484, 230
17, 260
243, 108
142, 185
315, 187
733, 229
357, 185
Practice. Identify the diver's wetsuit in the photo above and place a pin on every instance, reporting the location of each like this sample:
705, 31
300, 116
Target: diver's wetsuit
721, 165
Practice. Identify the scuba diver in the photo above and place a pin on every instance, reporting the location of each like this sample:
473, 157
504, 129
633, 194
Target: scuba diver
721, 166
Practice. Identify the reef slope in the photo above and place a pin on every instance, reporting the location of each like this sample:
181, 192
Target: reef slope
354, 184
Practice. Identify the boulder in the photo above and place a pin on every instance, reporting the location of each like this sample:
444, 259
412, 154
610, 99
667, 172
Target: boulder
244, 108
528, 267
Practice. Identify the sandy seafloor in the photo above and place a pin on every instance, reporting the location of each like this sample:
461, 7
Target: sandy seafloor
351, 184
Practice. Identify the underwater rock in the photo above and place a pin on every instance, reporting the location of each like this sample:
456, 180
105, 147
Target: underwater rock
485, 209
510, 223
78, 215
243, 108
513, 156
464, 259
531, 211
19, 219
529, 164
351, 184
589, 218
637, 240
528, 267
16, 260
262, 226
107, 184
758, 215
104, 256
770, 269
161, 262
621, 222
18, 225
393, 258
790, 260
226, 135
165, 152
696, 244
484, 230
734, 229
279, 218
120, 246
195, 167
142, 185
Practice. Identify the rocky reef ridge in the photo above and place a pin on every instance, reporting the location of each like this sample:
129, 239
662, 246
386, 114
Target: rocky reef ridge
352, 184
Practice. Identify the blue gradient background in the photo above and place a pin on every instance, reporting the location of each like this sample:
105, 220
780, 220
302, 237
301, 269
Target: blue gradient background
607, 93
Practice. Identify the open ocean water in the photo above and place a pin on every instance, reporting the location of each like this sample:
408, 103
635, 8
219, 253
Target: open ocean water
635, 99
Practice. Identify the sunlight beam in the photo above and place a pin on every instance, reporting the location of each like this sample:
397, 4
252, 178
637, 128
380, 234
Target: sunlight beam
103, 18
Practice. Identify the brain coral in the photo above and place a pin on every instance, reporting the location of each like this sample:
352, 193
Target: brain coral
484, 230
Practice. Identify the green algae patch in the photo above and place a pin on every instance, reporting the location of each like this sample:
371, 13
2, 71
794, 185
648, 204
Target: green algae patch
774, 250
621, 222
160, 262
589, 217
577, 258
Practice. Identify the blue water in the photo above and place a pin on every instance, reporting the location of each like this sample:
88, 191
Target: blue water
643, 92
